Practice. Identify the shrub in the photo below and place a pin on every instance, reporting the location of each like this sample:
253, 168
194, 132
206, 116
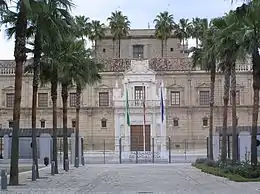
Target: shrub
200, 160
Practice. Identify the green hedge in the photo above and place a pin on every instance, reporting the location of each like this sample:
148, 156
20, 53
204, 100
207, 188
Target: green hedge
221, 172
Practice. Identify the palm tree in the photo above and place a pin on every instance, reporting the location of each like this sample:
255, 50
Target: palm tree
97, 33
205, 56
183, 31
24, 9
119, 27
248, 15
83, 26
164, 25
197, 29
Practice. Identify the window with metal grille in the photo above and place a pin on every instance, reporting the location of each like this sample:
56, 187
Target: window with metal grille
237, 97
73, 123
42, 100
175, 122
175, 98
43, 123
205, 122
11, 124
138, 51
103, 99
204, 98
73, 98
9, 100
139, 95
103, 123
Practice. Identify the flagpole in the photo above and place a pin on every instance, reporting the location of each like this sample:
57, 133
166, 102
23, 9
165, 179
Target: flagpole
144, 114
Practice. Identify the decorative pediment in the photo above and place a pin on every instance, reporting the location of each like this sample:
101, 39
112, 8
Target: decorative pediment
103, 86
203, 85
140, 67
9, 88
175, 86
44, 87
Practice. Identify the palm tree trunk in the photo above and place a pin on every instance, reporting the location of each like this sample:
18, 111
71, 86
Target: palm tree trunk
36, 78
225, 114
65, 95
95, 49
197, 42
119, 47
166, 49
211, 107
234, 113
78, 93
20, 58
113, 47
54, 85
162, 48
183, 45
256, 87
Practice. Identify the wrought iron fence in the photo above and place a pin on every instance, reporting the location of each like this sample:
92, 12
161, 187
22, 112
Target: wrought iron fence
101, 150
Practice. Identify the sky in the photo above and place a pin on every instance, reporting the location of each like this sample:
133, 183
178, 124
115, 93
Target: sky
139, 12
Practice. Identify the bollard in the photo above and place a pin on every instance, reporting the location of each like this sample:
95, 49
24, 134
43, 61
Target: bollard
33, 172
82, 160
52, 167
77, 162
3, 179
66, 165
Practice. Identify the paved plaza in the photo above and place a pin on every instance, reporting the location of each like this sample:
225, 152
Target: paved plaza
132, 178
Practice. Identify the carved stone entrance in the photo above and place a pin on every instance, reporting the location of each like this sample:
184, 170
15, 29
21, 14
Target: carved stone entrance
137, 138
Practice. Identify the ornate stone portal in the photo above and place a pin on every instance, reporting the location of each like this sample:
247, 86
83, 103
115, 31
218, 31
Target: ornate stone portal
139, 75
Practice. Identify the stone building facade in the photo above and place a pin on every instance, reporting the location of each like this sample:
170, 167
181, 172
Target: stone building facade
102, 116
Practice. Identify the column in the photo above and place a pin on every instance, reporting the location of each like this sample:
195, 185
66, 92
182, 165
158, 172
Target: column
117, 131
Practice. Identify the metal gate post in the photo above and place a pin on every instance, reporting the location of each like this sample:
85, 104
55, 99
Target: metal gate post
120, 150
104, 151
169, 148
153, 150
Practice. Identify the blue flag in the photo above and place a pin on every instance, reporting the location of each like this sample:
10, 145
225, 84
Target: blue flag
162, 106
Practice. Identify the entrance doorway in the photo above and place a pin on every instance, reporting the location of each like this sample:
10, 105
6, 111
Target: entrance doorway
137, 138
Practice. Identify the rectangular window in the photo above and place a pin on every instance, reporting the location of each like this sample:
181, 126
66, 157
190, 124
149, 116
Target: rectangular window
175, 98
138, 51
10, 100
103, 99
205, 122
42, 123
237, 97
73, 98
175, 122
139, 95
73, 123
204, 97
42, 100
103, 123
11, 124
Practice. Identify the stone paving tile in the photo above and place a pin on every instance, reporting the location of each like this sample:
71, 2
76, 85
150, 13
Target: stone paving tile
133, 178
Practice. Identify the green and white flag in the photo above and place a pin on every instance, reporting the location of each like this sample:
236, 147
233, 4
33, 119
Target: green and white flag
127, 109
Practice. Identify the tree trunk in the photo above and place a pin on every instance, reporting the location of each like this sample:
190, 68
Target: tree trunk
234, 113
166, 48
54, 85
20, 58
119, 48
211, 107
36, 79
113, 47
162, 49
95, 49
183, 45
78, 93
65, 95
197, 42
256, 86
225, 114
